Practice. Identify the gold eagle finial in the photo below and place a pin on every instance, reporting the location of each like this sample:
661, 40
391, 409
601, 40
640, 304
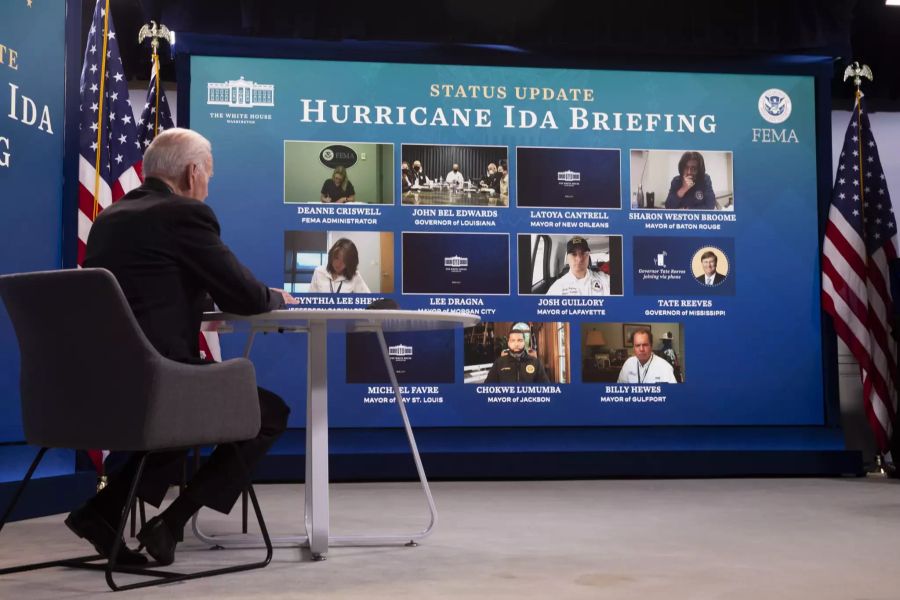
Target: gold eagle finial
155, 33
857, 71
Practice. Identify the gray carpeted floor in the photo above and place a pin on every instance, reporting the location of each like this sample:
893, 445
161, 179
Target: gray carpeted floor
695, 539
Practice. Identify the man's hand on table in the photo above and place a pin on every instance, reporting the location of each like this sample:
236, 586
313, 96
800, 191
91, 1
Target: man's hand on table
286, 296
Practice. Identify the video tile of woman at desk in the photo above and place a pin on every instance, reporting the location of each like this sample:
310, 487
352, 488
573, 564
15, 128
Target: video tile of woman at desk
338, 188
340, 275
692, 189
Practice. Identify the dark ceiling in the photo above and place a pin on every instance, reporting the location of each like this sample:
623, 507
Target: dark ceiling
662, 31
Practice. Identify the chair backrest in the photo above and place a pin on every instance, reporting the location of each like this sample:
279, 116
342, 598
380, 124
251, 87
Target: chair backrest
85, 363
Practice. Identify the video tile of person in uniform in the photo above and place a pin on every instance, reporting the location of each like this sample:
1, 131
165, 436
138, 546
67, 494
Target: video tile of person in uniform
581, 280
516, 365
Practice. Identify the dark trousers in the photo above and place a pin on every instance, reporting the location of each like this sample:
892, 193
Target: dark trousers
221, 479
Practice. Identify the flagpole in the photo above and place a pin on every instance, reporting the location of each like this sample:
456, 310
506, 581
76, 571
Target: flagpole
156, 74
155, 33
100, 113
883, 458
858, 71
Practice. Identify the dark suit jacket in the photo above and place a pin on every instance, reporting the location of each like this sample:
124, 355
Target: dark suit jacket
717, 279
166, 253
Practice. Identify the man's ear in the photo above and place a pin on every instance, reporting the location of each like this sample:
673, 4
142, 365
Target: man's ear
190, 173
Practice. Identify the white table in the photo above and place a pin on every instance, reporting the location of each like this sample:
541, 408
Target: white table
317, 324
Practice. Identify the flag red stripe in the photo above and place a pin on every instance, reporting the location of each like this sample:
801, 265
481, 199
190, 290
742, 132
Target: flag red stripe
876, 279
85, 200
857, 305
846, 334
846, 250
881, 435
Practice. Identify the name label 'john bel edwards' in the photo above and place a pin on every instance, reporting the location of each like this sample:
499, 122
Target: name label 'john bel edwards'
455, 217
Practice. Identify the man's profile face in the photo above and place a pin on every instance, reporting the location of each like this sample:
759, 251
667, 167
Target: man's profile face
578, 262
642, 347
690, 168
516, 342
709, 265
492, 169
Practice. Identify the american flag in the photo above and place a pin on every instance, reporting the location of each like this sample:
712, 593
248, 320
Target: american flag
156, 117
110, 153
109, 163
860, 240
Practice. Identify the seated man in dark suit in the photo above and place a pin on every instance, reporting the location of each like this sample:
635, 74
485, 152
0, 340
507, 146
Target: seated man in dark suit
710, 275
162, 244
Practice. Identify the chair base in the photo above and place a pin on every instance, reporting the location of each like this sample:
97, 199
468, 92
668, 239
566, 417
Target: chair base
110, 567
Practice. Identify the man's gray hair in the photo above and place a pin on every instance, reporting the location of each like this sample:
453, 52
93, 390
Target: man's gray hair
173, 151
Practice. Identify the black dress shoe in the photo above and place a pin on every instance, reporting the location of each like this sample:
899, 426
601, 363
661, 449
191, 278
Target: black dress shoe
87, 523
156, 537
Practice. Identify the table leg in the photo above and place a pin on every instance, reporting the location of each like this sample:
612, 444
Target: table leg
317, 513
243, 540
316, 489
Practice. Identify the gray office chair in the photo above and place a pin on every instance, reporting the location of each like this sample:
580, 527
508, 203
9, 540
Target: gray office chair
91, 379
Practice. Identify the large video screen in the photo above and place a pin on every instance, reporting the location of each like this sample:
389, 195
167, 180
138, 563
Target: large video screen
639, 245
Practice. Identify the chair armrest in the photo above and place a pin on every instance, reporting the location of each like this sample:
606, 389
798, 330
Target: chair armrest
195, 405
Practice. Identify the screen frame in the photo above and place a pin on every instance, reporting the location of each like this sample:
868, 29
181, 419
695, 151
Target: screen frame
821, 68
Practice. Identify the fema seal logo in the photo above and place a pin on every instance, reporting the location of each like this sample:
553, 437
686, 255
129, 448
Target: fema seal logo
328, 154
774, 105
